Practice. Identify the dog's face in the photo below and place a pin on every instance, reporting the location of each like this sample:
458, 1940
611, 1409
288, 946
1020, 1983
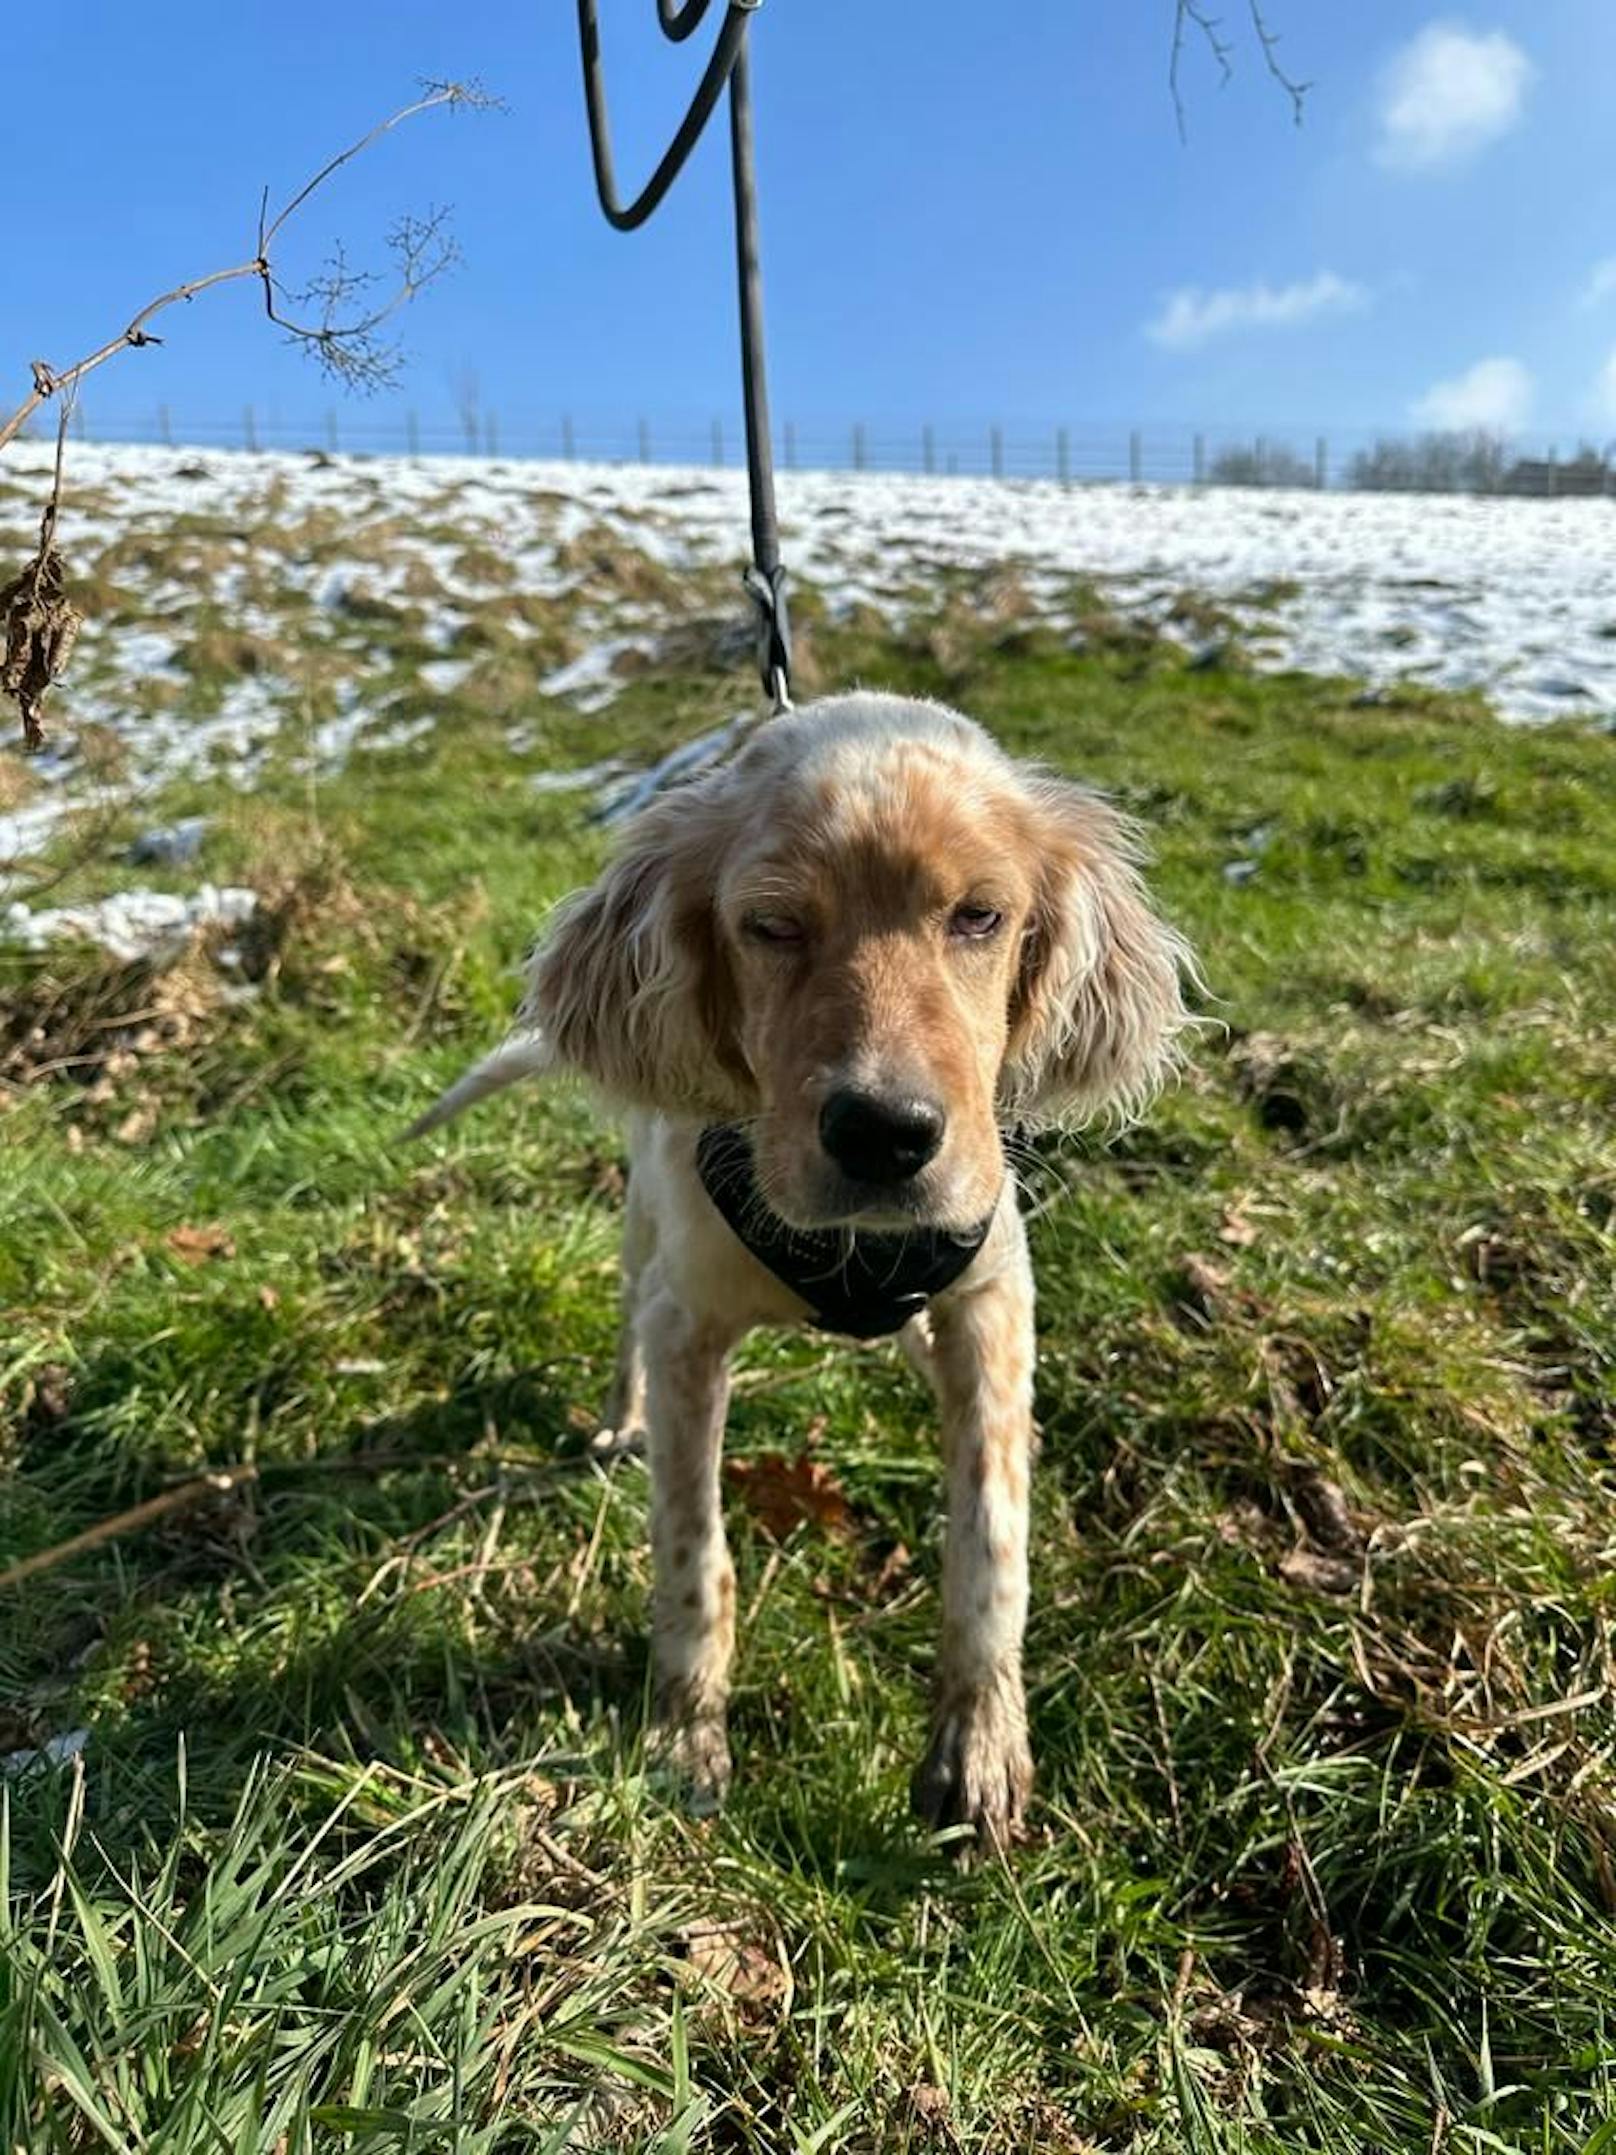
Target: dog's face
871, 939
873, 935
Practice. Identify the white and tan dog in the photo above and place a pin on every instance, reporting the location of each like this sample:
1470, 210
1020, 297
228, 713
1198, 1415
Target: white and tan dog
824, 977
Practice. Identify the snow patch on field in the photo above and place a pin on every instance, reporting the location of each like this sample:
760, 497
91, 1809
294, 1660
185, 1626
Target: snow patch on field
133, 924
314, 557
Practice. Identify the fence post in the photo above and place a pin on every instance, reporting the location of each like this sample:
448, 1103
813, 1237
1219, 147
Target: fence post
928, 450
860, 446
791, 445
1200, 460
569, 447
249, 430
412, 434
491, 433
996, 451
1321, 463
1554, 471
1136, 456
718, 441
1063, 456
164, 428
645, 441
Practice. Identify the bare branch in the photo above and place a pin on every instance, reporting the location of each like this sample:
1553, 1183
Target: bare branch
50, 381
345, 343
1269, 41
38, 624
457, 96
1192, 15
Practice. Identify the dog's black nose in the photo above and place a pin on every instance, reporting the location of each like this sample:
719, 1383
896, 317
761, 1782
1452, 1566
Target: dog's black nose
882, 1141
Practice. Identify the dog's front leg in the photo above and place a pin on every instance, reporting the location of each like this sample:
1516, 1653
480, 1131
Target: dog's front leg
693, 1595
978, 1768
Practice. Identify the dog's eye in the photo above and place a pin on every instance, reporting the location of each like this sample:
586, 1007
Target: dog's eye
778, 928
974, 921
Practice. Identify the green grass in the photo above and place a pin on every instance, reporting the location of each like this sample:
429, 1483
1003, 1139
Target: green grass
362, 1853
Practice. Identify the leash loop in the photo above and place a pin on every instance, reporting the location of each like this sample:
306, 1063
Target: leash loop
728, 67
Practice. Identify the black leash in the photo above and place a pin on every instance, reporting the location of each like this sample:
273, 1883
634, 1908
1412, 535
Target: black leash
765, 581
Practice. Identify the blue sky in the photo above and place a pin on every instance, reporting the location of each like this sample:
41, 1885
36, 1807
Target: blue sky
969, 213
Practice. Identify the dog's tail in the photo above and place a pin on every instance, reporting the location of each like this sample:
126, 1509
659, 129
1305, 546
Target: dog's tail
523, 1055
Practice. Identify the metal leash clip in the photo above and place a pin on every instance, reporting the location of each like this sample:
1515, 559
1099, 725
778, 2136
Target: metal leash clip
768, 595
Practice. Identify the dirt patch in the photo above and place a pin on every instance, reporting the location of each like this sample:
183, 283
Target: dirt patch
94, 1025
1287, 1086
606, 565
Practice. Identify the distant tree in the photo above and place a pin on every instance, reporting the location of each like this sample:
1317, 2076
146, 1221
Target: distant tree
1589, 471
1459, 462
1263, 464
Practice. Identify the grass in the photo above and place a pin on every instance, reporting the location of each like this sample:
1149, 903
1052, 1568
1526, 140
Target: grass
361, 1851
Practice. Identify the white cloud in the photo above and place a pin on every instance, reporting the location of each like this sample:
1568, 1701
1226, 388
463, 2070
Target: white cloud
1448, 93
1494, 395
1190, 316
1600, 284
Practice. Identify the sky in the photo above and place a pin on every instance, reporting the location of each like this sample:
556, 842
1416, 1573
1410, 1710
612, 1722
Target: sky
970, 214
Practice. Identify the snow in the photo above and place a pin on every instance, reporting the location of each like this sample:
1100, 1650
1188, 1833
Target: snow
590, 681
54, 1751
1514, 598
132, 924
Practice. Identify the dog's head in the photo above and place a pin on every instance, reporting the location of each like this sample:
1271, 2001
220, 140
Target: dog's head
873, 939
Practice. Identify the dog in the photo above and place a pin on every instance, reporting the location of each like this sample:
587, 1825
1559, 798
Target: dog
824, 979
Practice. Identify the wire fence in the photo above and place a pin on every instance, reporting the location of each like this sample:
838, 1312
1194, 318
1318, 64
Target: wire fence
1157, 455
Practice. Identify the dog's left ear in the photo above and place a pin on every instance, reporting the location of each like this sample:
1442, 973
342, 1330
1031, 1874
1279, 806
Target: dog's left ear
1098, 1005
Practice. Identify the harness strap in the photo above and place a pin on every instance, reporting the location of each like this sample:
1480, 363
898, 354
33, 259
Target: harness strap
864, 1285
765, 581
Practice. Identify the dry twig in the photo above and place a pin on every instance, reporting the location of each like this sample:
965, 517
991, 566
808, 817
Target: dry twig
1192, 15
195, 1491
327, 318
40, 623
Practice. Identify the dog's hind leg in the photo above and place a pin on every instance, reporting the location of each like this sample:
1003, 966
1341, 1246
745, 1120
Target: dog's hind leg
622, 1420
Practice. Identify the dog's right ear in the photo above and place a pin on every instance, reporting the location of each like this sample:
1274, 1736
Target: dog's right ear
630, 986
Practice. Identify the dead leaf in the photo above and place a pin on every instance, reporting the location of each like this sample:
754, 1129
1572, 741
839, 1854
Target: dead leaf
783, 1494
930, 2111
1236, 1229
731, 1960
268, 1297
1317, 1574
893, 1568
41, 625
138, 1125
196, 1245
1326, 1516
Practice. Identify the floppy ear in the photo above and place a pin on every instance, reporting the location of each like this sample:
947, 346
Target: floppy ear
629, 985
1098, 1006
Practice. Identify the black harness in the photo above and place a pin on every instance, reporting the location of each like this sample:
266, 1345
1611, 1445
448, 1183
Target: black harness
865, 1285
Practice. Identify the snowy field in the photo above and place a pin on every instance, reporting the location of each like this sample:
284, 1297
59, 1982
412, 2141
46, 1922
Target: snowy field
293, 562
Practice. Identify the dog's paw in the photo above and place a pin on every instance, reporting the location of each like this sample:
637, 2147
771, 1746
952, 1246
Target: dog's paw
977, 1771
611, 1442
693, 1756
